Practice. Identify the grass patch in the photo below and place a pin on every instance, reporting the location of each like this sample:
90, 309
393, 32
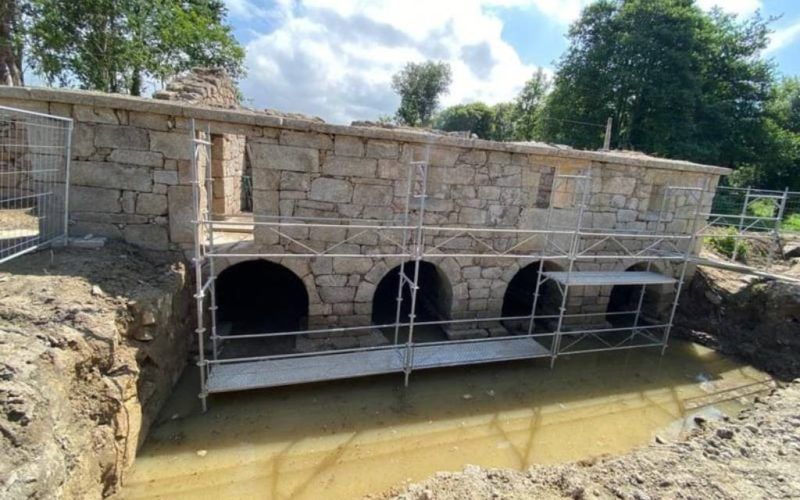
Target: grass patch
725, 244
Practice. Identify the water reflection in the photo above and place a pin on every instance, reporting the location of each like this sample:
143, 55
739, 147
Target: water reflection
348, 438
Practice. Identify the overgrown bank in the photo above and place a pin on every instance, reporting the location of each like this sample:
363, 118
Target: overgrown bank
91, 342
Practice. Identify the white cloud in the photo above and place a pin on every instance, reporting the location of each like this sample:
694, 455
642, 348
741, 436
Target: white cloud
335, 59
783, 37
740, 7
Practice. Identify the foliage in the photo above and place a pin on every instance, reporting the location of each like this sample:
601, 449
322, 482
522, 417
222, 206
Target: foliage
528, 106
779, 164
791, 223
11, 43
725, 244
477, 118
114, 45
677, 81
506, 121
420, 85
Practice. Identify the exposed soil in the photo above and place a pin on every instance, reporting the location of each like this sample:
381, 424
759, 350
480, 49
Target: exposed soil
756, 455
91, 342
754, 319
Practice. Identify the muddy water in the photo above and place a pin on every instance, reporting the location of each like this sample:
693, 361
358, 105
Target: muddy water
349, 438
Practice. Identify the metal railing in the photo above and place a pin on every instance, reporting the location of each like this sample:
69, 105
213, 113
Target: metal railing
751, 203
34, 180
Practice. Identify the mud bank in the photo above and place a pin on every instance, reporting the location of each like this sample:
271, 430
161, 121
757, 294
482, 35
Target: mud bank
750, 318
756, 455
91, 343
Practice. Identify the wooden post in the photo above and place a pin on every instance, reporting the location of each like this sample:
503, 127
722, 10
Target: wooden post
607, 139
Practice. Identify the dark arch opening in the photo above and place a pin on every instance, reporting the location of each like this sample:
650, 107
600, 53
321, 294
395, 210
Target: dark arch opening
258, 296
518, 298
625, 299
434, 297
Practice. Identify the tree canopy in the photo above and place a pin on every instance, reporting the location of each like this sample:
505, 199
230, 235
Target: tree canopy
518, 120
677, 81
420, 85
778, 166
115, 45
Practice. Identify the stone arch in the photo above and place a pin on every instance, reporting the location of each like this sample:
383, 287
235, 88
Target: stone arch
434, 297
261, 296
518, 297
625, 298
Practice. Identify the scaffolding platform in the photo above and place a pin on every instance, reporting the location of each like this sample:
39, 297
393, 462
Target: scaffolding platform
236, 376
601, 278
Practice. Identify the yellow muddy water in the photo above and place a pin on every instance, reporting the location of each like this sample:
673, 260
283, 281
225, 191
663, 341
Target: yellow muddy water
348, 438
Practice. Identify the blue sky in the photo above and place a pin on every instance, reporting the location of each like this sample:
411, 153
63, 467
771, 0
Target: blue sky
335, 58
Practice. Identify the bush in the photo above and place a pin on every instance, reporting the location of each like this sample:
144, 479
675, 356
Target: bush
725, 244
791, 223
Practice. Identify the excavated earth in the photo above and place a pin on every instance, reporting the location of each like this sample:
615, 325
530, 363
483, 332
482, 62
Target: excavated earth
755, 455
91, 342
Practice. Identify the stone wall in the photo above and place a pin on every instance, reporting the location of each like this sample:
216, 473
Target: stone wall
307, 174
131, 180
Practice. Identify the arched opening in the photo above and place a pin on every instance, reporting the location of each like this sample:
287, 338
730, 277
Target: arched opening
258, 296
624, 301
518, 299
434, 298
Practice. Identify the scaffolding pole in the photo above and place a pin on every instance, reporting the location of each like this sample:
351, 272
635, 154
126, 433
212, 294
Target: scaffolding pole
198, 262
690, 247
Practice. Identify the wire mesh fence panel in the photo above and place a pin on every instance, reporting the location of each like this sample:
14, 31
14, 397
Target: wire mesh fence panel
34, 178
790, 223
755, 210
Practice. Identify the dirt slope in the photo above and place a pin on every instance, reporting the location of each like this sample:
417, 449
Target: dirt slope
91, 342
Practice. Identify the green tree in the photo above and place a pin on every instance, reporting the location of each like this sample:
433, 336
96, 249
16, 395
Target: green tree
677, 81
420, 85
10, 43
779, 165
477, 118
506, 121
114, 45
528, 106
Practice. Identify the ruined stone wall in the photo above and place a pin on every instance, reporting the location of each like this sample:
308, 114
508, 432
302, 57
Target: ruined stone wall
206, 86
131, 180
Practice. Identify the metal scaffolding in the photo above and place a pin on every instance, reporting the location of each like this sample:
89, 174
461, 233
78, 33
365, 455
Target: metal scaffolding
564, 240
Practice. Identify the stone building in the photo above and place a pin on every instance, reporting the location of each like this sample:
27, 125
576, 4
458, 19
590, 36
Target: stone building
131, 179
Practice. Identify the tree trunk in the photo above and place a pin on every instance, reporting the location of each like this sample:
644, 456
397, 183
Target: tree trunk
10, 73
136, 82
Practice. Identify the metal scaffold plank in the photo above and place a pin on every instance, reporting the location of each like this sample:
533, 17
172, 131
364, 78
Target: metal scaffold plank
434, 356
315, 367
600, 278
